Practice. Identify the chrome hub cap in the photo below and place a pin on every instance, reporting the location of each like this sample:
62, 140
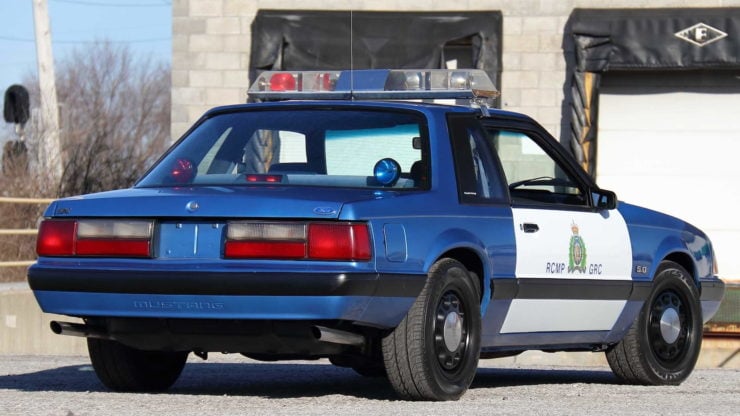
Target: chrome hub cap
450, 331
670, 325
453, 331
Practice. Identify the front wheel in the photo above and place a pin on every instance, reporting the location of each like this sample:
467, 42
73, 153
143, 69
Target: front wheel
433, 353
663, 344
122, 368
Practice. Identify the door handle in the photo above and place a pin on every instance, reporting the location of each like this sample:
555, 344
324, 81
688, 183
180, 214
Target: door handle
529, 227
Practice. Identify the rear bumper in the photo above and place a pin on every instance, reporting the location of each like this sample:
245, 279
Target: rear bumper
375, 299
712, 292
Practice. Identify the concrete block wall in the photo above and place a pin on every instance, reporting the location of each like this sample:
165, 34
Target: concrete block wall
212, 40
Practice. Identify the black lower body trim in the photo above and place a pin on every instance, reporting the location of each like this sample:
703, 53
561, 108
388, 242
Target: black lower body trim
541, 288
184, 282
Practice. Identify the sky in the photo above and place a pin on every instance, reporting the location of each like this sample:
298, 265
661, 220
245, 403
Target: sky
144, 25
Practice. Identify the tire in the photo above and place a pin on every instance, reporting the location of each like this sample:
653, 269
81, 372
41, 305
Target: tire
122, 368
433, 353
655, 354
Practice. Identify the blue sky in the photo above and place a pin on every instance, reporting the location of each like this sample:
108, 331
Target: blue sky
145, 25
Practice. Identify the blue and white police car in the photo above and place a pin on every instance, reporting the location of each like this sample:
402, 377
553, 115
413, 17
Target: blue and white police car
404, 239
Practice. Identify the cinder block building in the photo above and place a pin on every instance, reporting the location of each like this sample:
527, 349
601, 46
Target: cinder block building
643, 93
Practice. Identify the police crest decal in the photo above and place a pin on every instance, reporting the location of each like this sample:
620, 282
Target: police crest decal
577, 252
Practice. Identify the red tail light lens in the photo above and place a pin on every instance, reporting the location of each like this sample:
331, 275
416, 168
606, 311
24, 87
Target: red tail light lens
109, 238
113, 247
56, 238
265, 250
307, 241
338, 242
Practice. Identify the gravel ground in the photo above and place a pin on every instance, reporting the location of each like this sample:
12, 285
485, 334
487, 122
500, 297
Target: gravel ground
232, 385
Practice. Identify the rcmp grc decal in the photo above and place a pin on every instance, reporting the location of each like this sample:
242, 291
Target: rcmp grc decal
577, 258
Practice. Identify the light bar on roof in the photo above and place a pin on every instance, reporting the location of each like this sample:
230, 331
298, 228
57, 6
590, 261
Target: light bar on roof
374, 84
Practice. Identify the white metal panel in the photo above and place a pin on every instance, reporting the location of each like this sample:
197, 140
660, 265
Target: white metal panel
556, 315
674, 147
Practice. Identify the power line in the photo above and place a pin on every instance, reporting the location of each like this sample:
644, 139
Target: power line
149, 40
107, 4
14, 39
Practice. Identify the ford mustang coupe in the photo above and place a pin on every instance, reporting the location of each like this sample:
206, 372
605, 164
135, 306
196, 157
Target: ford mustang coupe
404, 239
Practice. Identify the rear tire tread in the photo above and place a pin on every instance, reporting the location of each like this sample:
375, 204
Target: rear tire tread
407, 367
122, 368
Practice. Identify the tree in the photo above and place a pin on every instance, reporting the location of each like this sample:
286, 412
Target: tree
115, 117
115, 121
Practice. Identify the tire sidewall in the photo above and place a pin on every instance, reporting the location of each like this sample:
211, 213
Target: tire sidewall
672, 277
451, 275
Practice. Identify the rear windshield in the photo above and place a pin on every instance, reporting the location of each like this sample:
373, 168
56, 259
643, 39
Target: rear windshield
330, 147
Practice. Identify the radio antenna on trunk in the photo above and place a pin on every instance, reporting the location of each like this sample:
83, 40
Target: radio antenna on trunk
351, 55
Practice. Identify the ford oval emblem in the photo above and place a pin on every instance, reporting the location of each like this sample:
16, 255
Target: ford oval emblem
192, 206
324, 211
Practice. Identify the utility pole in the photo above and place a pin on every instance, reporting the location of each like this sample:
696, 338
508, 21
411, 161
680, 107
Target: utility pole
49, 148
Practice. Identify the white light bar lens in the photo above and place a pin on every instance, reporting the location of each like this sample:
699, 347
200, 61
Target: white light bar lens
114, 229
439, 79
257, 231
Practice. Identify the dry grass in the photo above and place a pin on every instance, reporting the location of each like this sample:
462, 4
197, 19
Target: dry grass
15, 183
115, 121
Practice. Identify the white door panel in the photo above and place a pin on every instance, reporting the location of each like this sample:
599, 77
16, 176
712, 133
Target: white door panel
572, 245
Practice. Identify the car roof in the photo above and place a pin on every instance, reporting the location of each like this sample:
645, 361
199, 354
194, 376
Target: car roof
426, 107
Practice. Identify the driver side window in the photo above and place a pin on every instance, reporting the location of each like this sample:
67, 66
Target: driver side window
532, 175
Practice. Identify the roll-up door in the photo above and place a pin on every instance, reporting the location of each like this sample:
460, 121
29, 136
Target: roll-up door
670, 141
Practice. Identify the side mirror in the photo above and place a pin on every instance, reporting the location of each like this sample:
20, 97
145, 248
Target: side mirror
603, 199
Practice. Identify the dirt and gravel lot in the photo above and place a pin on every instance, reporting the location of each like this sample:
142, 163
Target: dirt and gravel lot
232, 385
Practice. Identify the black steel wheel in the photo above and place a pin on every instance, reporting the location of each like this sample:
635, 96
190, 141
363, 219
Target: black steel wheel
433, 353
669, 327
451, 339
664, 342
122, 368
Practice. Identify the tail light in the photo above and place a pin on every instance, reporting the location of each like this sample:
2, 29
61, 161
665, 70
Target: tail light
109, 238
341, 241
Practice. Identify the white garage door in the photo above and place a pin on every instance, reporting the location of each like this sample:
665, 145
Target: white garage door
671, 142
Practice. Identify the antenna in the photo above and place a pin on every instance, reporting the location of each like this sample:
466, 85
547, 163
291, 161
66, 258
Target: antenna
351, 55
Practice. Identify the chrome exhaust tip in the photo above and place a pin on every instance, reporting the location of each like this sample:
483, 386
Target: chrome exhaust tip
336, 336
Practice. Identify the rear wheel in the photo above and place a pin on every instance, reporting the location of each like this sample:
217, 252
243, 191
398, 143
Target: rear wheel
433, 353
122, 368
663, 344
